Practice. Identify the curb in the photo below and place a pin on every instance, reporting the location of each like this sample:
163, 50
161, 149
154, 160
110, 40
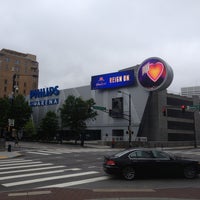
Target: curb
6, 155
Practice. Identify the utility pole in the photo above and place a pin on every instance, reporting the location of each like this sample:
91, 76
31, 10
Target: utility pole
129, 117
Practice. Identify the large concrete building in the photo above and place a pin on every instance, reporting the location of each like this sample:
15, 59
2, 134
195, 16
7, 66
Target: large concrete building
154, 116
190, 91
18, 73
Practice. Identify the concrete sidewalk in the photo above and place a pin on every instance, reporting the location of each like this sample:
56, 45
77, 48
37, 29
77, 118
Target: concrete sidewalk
104, 194
12, 154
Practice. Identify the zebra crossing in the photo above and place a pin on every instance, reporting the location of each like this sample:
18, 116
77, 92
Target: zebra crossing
67, 151
60, 151
37, 174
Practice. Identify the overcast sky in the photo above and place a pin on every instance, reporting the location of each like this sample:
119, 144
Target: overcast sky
76, 39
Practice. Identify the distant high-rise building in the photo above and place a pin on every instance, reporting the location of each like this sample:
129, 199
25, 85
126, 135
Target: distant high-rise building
18, 73
190, 91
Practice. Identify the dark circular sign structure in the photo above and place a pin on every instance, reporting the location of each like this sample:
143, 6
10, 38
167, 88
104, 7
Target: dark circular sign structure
154, 74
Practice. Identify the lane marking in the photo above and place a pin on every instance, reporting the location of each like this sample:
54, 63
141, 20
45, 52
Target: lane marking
90, 180
123, 190
37, 174
14, 161
17, 194
22, 163
31, 174
34, 169
33, 152
27, 166
48, 179
50, 152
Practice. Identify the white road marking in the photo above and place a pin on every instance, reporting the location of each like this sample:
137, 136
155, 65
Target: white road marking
31, 174
48, 178
50, 152
23, 163
14, 161
34, 152
90, 180
34, 169
17, 194
26, 166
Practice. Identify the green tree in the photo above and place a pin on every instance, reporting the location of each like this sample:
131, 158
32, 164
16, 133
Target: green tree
74, 114
17, 109
4, 111
29, 130
20, 111
49, 125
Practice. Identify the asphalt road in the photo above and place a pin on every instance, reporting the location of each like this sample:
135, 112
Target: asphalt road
52, 165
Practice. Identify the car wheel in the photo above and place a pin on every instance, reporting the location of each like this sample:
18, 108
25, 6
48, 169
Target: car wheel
190, 172
128, 173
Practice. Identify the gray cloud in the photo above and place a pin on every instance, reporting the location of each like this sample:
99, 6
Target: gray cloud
74, 40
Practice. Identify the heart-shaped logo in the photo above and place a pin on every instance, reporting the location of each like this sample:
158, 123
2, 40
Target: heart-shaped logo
155, 71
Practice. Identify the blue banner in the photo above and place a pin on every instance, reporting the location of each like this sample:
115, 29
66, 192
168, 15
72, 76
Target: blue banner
113, 80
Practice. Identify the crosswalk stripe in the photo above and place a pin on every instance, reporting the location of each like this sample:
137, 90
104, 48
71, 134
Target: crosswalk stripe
21, 163
48, 178
90, 180
39, 153
50, 152
34, 169
31, 174
13, 161
26, 166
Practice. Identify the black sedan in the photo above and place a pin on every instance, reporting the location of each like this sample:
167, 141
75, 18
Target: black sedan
133, 162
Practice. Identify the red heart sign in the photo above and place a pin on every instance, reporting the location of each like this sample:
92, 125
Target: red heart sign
155, 71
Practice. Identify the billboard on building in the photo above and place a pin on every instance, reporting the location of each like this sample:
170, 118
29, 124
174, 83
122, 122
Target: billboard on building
113, 80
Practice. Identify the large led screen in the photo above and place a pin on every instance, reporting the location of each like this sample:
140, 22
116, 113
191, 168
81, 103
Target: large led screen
113, 80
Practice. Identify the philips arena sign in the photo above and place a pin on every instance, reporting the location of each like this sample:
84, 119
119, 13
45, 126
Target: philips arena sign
44, 96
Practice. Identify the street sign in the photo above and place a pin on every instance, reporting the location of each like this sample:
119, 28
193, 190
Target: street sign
193, 107
11, 122
99, 108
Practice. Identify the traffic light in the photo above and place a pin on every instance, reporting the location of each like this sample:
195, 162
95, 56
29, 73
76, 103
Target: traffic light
117, 107
183, 107
110, 112
164, 111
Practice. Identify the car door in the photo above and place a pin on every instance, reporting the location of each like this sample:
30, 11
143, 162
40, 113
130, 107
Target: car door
165, 165
143, 161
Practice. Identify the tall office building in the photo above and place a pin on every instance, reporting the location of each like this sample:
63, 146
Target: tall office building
18, 73
190, 91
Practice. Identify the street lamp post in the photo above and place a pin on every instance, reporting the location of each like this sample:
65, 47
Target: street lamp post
129, 117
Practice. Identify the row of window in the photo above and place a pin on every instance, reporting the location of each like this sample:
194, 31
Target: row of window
5, 90
18, 69
17, 62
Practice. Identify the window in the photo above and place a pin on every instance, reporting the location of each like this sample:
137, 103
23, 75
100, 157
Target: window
132, 155
17, 68
25, 69
17, 62
6, 68
7, 59
140, 154
160, 154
